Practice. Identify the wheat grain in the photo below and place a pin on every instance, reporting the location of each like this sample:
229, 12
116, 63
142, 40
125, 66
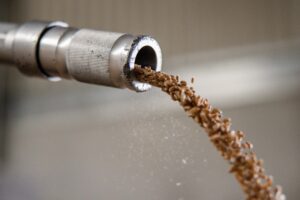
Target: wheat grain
245, 165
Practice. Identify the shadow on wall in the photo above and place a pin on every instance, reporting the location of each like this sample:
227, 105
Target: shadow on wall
3, 91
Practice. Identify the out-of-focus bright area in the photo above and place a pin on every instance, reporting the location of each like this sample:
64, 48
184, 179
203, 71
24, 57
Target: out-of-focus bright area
74, 141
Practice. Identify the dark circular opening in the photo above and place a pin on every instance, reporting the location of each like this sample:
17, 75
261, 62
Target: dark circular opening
146, 57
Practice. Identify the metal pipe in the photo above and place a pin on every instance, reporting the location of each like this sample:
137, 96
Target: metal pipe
54, 51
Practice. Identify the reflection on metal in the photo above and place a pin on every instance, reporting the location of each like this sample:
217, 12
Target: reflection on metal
54, 50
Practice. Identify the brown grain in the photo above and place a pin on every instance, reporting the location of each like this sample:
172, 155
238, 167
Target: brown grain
245, 165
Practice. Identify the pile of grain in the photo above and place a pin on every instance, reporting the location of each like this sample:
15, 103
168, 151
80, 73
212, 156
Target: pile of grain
245, 165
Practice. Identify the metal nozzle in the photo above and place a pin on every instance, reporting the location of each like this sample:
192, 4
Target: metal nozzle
55, 51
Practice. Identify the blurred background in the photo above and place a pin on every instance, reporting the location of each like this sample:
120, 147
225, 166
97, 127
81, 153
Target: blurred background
73, 141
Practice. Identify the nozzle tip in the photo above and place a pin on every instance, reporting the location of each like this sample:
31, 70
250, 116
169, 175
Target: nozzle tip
145, 51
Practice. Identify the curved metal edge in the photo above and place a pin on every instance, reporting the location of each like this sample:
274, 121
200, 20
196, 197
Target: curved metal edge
37, 52
140, 42
26, 47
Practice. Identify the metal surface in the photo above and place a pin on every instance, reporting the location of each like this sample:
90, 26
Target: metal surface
6, 40
54, 50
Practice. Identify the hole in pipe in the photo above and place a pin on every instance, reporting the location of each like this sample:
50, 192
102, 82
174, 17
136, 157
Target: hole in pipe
146, 57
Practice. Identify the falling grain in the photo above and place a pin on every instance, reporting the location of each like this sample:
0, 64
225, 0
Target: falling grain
245, 165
